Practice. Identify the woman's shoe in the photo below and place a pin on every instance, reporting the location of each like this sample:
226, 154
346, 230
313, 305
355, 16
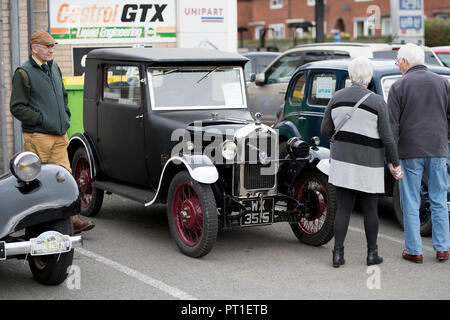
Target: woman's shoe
338, 257
373, 257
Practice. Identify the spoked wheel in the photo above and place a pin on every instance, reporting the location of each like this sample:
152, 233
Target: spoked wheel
91, 197
316, 225
192, 215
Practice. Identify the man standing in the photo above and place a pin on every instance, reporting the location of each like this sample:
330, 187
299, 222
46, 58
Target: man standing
39, 101
419, 109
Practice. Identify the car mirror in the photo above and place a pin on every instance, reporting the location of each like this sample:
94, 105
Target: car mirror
260, 79
252, 77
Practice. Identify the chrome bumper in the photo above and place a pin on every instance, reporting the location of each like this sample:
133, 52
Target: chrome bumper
20, 248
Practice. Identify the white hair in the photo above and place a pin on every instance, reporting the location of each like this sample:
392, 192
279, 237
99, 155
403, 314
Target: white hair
411, 53
360, 70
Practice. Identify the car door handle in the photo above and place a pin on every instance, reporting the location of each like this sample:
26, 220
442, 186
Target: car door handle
140, 116
301, 118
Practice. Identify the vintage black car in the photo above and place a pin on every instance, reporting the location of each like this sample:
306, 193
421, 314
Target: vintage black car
172, 126
36, 203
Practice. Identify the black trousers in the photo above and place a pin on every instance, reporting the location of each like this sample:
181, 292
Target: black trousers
369, 207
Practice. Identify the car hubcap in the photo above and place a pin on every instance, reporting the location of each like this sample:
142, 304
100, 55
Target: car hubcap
83, 178
187, 214
313, 194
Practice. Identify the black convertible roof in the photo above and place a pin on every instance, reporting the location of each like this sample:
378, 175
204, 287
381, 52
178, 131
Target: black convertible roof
172, 56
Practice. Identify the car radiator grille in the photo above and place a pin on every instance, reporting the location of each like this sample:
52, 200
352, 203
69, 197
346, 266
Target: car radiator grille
255, 179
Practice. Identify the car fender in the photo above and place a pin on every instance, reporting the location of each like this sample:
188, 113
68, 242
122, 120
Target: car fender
287, 129
82, 140
322, 157
200, 168
53, 195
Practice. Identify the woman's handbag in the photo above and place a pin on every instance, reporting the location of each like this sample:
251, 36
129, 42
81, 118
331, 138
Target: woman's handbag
343, 121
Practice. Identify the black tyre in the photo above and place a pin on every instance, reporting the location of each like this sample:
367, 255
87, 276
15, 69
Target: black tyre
192, 215
91, 197
317, 226
424, 209
51, 269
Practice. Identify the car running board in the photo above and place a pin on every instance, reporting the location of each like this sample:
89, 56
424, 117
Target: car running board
142, 195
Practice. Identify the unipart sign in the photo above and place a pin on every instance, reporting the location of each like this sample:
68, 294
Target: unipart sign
112, 21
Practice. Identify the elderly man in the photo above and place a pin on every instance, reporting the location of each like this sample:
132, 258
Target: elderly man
39, 101
419, 110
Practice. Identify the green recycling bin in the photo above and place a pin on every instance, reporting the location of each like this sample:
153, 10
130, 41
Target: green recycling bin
74, 87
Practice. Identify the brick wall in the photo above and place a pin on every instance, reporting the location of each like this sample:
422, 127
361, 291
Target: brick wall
259, 10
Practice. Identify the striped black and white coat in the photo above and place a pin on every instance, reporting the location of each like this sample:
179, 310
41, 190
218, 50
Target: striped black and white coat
357, 158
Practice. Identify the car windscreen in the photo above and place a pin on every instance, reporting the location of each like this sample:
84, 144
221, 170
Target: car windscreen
189, 88
386, 83
445, 58
392, 54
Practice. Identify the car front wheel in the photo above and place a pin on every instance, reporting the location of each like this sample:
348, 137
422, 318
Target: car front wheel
316, 226
192, 215
51, 269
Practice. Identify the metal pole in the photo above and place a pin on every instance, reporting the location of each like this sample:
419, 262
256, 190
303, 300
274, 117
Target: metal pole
30, 18
4, 145
319, 11
15, 62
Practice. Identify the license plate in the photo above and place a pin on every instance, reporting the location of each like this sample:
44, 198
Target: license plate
50, 242
2, 250
259, 211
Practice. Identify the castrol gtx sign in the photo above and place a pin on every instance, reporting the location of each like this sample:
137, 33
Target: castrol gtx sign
112, 21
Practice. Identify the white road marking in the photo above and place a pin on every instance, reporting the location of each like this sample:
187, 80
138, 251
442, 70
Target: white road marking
383, 236
174, 292
177, 293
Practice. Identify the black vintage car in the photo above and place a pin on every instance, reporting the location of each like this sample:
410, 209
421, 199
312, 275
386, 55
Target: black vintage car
36, 203
172, 126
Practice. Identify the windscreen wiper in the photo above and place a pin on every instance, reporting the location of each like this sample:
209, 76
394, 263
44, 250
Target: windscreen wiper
206, 75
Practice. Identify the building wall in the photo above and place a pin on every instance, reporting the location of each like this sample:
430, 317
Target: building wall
347, 10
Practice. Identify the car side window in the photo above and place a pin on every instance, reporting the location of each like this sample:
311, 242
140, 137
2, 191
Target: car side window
122, 85
298, 93
348, 83
322, 88
283, 69
312, 56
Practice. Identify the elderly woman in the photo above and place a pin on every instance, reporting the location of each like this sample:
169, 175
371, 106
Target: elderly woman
357, 155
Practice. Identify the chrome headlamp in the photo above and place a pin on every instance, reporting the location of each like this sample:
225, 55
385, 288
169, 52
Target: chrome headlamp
25, 166
229, 150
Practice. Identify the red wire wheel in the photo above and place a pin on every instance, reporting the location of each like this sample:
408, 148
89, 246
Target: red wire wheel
316, 226
91, 197
82, 176
187, 214
192, 215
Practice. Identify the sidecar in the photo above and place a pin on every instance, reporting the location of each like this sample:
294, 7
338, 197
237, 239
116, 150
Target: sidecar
37, 201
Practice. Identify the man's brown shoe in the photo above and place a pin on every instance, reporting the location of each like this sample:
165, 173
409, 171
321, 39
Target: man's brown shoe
413, 258
442, 255
80, 225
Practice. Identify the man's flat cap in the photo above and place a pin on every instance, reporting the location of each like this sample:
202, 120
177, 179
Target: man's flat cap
42, 37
